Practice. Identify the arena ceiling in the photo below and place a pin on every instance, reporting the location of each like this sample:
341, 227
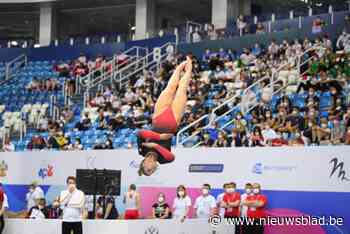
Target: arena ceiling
22, 20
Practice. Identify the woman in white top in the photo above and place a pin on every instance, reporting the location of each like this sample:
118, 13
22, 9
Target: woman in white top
132, 203
182, 204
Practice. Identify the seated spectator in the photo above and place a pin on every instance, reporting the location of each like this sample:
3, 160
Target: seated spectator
34, 85
37, 143
84, 123
108, 145
256, 138
317, 25
8, 145
256, 50
43, 124
76, 145
347, 136
268, 134
39, 211
57, 141
67, 115
161, 209
207, 141
222, 140
260, 28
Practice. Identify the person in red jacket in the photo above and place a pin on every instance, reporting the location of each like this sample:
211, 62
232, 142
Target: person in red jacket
231, 202
256, 210
155, 145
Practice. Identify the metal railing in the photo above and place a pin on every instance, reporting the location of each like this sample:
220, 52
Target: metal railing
108, 70
14, 66
249, 99
152, 62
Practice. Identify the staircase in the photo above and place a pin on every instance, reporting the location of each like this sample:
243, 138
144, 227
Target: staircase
247, 101
116, 74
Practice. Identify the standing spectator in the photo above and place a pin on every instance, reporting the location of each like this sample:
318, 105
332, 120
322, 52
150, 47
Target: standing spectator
205, 204
343, 40
34, 195
72, 200
317, 25
248, 192
160, 209
107, 203
3, 207
182, 204
132, 203
231, 202
196, 37
241, 24
219, 199
256, 210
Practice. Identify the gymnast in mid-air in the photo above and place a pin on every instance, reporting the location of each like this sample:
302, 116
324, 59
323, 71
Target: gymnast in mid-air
155, 145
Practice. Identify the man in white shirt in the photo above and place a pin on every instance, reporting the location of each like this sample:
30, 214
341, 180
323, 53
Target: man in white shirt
219, 199
4, 205
35, 193
72, 202
205, 204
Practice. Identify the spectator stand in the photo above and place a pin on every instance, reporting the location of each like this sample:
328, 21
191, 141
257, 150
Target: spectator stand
263, 89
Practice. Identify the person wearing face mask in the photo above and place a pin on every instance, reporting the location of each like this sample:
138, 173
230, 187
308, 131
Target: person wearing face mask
219, 199
54, 210
181, 204
35, 193
231, 202
155, 145
3, 207
256, 204
160, 209
248, 188
39, 211
72, 202
205, 204
132, 203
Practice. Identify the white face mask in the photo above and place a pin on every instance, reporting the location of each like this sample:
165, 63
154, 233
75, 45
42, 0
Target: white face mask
161, 199
248, 191
181, 193
205, 191
230, 190
256, 191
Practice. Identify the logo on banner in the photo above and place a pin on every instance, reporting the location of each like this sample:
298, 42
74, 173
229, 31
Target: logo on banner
152, 230
45, 172
259, 168
206, 168
338, 170
3, 168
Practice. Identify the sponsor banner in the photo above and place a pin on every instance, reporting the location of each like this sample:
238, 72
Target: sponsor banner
295, 169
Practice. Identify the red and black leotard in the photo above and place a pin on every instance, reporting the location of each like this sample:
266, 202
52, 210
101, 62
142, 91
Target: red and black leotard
165, 122
163, 147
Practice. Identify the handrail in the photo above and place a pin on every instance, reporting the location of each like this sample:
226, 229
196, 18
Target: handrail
13, 66
245, 107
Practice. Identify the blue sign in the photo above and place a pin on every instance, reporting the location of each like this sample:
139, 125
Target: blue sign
207, 168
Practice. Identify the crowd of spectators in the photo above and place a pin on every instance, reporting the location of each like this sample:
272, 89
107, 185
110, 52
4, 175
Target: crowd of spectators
219, 75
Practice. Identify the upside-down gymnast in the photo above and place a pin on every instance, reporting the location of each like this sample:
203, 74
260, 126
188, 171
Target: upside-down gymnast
155, 145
